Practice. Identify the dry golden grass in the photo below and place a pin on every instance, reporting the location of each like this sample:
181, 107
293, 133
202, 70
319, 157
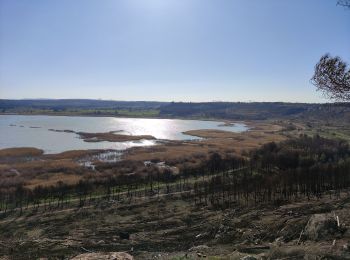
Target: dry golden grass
48, 165
44, 172
214, 140
174, 154
112, 137
4, 167
51, 179
20, 152
72, 154
33, 169
50, 169
209, 133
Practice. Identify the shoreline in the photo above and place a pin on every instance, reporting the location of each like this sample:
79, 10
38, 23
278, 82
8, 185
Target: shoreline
225, 121
206, 135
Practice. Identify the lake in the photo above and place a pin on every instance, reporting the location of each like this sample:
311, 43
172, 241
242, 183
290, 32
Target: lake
33, 131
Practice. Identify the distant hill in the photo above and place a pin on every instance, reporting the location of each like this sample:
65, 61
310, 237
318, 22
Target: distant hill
254, 110
257, 110
77, 103
220, 110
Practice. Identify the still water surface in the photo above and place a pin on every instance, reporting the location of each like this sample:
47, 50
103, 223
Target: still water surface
33, 131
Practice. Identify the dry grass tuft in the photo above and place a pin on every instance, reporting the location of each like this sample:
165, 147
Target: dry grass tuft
20, 152
180, 152
112, 137
51, 179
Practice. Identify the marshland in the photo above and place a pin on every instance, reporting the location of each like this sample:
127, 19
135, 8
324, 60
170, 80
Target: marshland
174, 129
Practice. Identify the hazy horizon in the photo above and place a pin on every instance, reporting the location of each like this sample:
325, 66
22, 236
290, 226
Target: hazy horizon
174, 50
170, 101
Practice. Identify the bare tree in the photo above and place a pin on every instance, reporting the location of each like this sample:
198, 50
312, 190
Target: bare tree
332, 77
345, 3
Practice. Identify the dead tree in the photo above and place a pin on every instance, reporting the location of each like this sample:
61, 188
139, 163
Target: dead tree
332, 78
345, 3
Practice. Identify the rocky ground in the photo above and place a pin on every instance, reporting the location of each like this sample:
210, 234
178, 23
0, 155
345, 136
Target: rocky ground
175, 228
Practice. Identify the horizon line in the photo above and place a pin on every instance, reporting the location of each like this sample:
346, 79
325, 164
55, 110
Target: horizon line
173, 101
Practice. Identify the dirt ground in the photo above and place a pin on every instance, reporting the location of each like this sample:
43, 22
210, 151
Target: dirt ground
175, 228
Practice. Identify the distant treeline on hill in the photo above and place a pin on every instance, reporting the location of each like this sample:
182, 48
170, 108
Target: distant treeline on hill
76, 103
222, 110
257, 110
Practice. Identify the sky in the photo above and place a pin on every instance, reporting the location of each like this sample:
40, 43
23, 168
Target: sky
168, 50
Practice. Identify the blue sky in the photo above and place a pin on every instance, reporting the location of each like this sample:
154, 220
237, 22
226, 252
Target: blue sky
168, 50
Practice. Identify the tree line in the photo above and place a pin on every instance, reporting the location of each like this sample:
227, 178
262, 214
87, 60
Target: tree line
305, 167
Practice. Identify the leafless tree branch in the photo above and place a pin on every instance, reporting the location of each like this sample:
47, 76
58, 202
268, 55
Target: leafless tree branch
332, 78
345, 3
